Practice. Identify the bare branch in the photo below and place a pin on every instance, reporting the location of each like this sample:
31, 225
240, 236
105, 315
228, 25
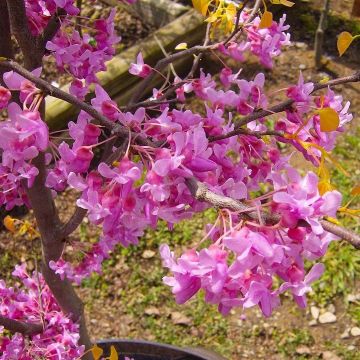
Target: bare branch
243, 131
6, 49
202, 193
73, 223
345, 234
25, 328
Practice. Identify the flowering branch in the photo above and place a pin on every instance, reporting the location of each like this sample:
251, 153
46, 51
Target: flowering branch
60, 94
200, 191
24, 328
282, 106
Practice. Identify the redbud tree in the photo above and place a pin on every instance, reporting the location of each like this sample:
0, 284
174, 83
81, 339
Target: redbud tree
157, 159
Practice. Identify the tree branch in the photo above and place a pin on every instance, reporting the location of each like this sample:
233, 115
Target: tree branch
25, 328
73, 223
48, 89
202, 193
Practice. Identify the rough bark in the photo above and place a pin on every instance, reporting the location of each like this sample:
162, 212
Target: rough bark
6, 49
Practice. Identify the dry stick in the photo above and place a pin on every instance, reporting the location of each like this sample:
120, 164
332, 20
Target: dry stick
282, 106
202, 193
16, 326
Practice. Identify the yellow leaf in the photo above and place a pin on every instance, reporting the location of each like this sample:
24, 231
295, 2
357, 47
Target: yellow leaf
344, 41
356, 190
212, 18
329, 119
231, 12
332, 220
96, 352
283, 2
266, 20
324, 186
201, 6
9, 223
181, 46
324, 80
113, 353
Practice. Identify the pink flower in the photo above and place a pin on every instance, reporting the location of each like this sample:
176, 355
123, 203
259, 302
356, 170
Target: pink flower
78, 89
140, 68
301, 288
5, 96
16, 82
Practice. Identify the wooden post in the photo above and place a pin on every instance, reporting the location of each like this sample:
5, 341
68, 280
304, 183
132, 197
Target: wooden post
356, 8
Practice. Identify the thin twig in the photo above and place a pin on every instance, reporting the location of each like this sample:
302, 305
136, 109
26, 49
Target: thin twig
161, 64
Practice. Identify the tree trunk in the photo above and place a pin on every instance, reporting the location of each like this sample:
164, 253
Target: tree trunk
40, 196
356, 8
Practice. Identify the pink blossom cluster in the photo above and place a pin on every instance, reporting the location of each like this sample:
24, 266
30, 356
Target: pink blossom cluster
23, 135
263, 43
34, 303
303, 118
39, 12
114, 195
239, 267
84, 56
